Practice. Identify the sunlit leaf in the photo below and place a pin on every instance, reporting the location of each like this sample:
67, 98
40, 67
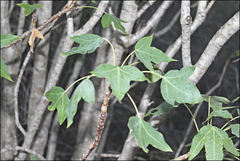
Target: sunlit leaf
176, 88
88, 43
119, 77
59, 101
7, 39
235, 129
4, 71
145, 134
147, 54
107, 19
84, 90
28, 9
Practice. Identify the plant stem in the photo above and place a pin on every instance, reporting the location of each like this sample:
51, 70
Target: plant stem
209, 108
194, 120
134, 63
138, 114
127, 57
113, 51
227, 108
88, 76
230, 121
92, 7
154, 73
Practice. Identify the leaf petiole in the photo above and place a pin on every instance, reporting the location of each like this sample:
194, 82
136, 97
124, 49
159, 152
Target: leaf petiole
154, 73
113, 51
230, 121
138, 114
86, 77
194, 120
134, 63
127, 57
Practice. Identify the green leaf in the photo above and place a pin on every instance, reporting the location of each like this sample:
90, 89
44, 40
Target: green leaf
147, 54
4, 71
227, 142
107, 19
235, 129
88, 44
33, 157
224, 114
84, 90
28, 9
197, 144
7, 39
213, 139
152, 78
159, 110
59, 100
145, 134
216, 102
175, 87
119, 77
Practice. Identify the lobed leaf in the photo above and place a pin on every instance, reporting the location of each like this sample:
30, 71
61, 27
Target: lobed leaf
107, 19
4, 71
7, 39
219, 113
145, 134
84, 90
159, 110
119, 77
28, 9
59, 100
147, 54
216, 102
235, 129
213, 139
88, 43
176, 88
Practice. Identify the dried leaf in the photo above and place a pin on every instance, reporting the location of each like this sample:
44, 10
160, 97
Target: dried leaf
35, 34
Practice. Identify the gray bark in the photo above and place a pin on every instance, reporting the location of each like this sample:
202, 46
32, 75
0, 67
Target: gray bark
8, 131
39, 77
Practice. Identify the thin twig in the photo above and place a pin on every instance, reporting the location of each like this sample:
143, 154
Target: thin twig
172, 22
64, 10
39, 156
182, 157
144, 8
106, 155
100, 124
209, 6
16, 89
